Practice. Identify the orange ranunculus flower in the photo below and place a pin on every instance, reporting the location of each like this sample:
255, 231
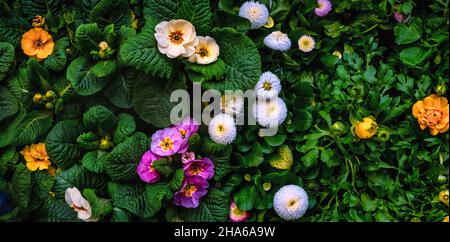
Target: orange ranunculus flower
367, 128
432, 112
37, 43
36, 157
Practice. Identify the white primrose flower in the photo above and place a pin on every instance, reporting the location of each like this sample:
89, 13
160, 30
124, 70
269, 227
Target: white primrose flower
257, 13
176, 38
222, 129
206, 51
290, 202
76, 201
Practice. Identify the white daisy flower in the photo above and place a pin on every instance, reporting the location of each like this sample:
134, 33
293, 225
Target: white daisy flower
268, 85
290, 202
232, 104
277, 41
270, 113
222, 129
306, 43
76, 201
256, 12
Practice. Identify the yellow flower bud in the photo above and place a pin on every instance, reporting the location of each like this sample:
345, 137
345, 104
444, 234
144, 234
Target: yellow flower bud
247, 177
337, 54
49, 106
50, 94
366, 129
37, 97
38, 21
266, 186
103, 45
269, 23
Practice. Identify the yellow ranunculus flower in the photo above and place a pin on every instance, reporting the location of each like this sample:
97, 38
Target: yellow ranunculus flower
366, 129
443, 197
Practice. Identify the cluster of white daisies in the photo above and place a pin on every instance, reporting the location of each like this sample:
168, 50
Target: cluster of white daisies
258, 15
178, 38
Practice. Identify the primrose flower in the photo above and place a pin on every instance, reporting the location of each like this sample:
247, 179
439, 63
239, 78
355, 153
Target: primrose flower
399, 17
232, 103
432, 112
277, 41
256, 12
37, 43
367, 128
166, 142
270, 113
203, 168
290, 202
193, 188
186, 157
176, 38
76, 201
222, 129
187, 127
306, 43
237, 215
36, 157
145, 168
323, 8
443, 197
206, 51
445, 219
268, 85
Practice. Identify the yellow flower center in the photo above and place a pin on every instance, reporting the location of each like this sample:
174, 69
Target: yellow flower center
292, 204
203, 52
237, 212
189, 190
176, 37
267, 86
195, 170
220, 128
166, 144
150, 168
183, 133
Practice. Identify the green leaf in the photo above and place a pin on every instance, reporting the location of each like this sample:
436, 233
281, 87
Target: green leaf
104, 68
77, 176
227, 18
82, 77
414, 56
58, 59
93, 161
126, 126
6, 58
155, 194
201, 73
42, 184
310, 158
58, 211
329, 60
8, 104
39, 74
197, 12
21, 185
303, 120
221, 159
141, 52
405, 34
88, 36
177, 180
163, 166
245, 199
275, 140
160, 10
8, 129
19, 85
121, 87
242, 61
61, 143
329, 157
42, 7
151, 100
12, 29
134, 198
99, 118
108, 12
89, 141
214, 208
100, 207
35, 126
122, 161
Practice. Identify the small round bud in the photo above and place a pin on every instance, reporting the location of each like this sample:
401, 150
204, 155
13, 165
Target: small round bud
49, 106
247, 177
266, 186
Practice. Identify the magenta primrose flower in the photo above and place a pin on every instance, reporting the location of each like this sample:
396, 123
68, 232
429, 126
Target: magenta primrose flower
187, 127
203, 168
145, 169
193, 188
323, 8
399, 17
166, 142
237, 215
186, 157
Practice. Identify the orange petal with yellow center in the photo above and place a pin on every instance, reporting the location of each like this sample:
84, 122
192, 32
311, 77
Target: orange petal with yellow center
43, 165
28, 47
